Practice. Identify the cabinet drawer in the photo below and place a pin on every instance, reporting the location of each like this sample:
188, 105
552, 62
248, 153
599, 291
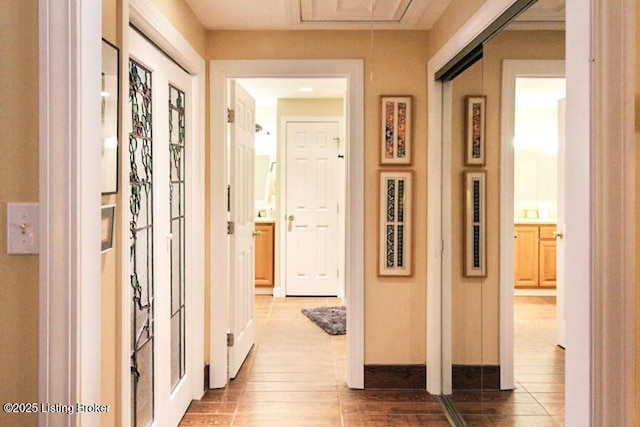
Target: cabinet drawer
546, 232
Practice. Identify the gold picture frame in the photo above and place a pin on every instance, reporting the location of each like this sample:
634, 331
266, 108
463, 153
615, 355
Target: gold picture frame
395, 232
475, 224
396, 130
475, 111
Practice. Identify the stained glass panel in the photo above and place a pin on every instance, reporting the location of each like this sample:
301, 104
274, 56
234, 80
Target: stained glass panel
141, 243
177, 139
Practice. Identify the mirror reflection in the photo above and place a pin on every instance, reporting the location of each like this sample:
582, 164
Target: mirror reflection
521, 74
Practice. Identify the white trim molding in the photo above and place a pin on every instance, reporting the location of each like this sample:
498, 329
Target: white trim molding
220, 73
69, 114
614, 213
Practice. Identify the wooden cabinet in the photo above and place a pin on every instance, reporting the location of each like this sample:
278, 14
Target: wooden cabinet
547, 257
264, 240
535, 256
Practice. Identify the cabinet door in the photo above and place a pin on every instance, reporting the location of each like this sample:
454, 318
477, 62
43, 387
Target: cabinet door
264, 255
526, 256
547, 263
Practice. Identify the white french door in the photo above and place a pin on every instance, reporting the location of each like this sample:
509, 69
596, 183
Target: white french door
311, 213
156, 124
242, 216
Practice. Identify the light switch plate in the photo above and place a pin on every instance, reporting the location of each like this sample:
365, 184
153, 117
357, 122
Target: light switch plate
23, 236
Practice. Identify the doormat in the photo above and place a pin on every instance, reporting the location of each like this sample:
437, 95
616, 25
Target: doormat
332, 320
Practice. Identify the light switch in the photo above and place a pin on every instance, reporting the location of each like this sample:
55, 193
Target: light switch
22, 228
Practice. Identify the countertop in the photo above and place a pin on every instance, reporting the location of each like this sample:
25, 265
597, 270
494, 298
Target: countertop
262, 220
543, 221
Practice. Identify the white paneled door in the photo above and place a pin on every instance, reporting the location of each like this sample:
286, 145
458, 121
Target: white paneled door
242, 131
311, 208
158, 133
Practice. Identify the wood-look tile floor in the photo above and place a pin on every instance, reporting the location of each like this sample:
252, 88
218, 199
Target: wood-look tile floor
538, 398
295, 375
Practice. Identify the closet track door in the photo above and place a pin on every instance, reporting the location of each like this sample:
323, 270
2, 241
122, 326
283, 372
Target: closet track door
159, 92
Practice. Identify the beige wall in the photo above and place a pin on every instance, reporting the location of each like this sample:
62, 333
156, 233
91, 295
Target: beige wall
18, 183
181, 16
485, 78
637, 107
309, 107
394, 307
457, 13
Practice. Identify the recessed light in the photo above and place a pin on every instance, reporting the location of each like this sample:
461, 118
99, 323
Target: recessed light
306, 89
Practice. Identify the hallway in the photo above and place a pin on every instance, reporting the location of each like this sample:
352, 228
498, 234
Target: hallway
295, 374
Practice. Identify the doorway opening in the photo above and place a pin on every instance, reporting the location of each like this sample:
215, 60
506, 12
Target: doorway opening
299, 185
531, 187
221, 312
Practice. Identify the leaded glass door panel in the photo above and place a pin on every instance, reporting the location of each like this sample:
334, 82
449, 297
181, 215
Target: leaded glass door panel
158, 140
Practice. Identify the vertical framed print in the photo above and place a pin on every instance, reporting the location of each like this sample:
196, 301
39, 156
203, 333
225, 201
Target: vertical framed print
475, 107
396, 124
475, 223
395, 245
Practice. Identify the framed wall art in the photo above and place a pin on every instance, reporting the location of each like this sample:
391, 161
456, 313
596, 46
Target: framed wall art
475, 242
395, 147
110, 107
106, 227
395, 245
475, 107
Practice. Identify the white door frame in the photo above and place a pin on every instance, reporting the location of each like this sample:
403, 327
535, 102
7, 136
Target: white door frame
511, 69
149, 20
281, 289
69, 194
600, 284
220, 72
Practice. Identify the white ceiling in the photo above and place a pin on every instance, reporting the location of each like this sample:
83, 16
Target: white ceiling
348, 14
342, 14
317, 14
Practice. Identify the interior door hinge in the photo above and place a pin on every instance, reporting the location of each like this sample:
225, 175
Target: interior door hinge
231, 115
228, 198
230, 340
231, 227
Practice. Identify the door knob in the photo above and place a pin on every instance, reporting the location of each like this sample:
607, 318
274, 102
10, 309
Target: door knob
558, 234
257, 234
291, 218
